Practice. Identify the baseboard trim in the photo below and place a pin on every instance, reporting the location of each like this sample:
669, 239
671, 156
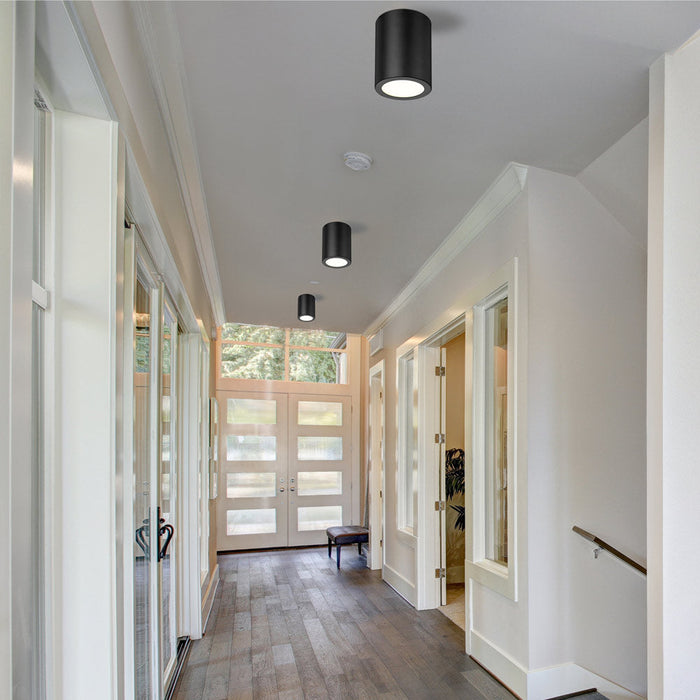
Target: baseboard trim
400, 584
208, 600
568, 678
497, 662
540, 684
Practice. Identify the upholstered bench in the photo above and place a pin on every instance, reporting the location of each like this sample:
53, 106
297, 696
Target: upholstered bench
346, 534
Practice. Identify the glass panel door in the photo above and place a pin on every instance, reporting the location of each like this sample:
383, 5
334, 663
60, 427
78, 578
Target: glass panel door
154, 486
168, 491
252, 498
286, 469
319, 467
144, 539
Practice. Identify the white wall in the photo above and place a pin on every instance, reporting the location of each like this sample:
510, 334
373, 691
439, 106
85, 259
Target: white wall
582, 391
586, 433
673, 374
112, 34
438, 304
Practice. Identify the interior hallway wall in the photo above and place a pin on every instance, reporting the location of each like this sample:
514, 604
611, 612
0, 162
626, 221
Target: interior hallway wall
586, 432
673, 372
581, 392
114, 41
496, 617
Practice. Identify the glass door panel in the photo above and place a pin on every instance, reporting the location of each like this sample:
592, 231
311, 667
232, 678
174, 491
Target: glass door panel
154, 485
319, 467
168, 491
252, 503
143, 545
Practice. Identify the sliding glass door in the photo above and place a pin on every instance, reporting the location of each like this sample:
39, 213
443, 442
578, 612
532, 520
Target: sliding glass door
155, 333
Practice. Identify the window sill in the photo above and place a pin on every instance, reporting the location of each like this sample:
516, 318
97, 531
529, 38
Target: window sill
495, 576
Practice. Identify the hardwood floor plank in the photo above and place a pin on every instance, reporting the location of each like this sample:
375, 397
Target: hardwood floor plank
289, 625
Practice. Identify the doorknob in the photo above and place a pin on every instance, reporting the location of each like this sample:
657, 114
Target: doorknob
282, 489
291, 488
142, 534
171, 531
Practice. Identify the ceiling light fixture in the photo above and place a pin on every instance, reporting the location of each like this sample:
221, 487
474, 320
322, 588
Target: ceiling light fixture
402, 59
306, 307
336, 244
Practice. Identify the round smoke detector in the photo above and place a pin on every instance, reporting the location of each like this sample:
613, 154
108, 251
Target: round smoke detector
357, 161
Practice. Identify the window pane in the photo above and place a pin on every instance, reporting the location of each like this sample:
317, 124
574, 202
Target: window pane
320, 413
317, 339
409, 431
318, 366
496, 432
320, 448
319, 517
250, 485
252, 362
251, 411
320, 483
256, 521
253, 334
251, 448
142, 351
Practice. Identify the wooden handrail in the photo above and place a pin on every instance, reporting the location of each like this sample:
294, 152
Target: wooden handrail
609, 548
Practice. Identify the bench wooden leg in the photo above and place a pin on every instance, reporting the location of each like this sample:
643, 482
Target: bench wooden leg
359, 547
329, 546
338, 555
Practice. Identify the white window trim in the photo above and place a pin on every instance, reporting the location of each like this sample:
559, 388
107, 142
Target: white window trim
377, 462
406, 531
491, 574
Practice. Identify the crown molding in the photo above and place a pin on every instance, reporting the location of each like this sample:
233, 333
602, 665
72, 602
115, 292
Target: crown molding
504, 189
161, 45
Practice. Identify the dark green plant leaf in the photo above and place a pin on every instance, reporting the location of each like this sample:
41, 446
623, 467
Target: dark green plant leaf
454, 472
459, 523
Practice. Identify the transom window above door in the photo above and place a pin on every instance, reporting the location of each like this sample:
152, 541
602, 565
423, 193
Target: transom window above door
283, 354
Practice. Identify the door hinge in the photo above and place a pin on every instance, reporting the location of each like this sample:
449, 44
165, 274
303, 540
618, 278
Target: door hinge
440, 573
439, 505
380, 494
381, 543
439, 438
439, 371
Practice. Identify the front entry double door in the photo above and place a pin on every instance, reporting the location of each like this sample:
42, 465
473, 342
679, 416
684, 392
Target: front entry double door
285, 469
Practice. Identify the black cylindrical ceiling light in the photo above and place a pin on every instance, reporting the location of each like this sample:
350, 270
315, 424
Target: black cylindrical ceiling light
336, 244
306, 307
402, 58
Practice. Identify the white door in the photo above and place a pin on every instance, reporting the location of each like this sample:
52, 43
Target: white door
252, 497
319, 466
285, 469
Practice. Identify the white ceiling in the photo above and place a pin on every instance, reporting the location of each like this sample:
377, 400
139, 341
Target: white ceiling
278, 91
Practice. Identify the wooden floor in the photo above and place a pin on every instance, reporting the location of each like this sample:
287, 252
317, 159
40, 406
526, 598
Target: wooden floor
288, 625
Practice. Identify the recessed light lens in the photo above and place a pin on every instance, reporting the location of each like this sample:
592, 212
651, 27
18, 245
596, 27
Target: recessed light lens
306, 318
336, 262
403, 89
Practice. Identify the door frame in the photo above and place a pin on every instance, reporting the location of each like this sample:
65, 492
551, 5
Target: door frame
377, 480
428, 542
